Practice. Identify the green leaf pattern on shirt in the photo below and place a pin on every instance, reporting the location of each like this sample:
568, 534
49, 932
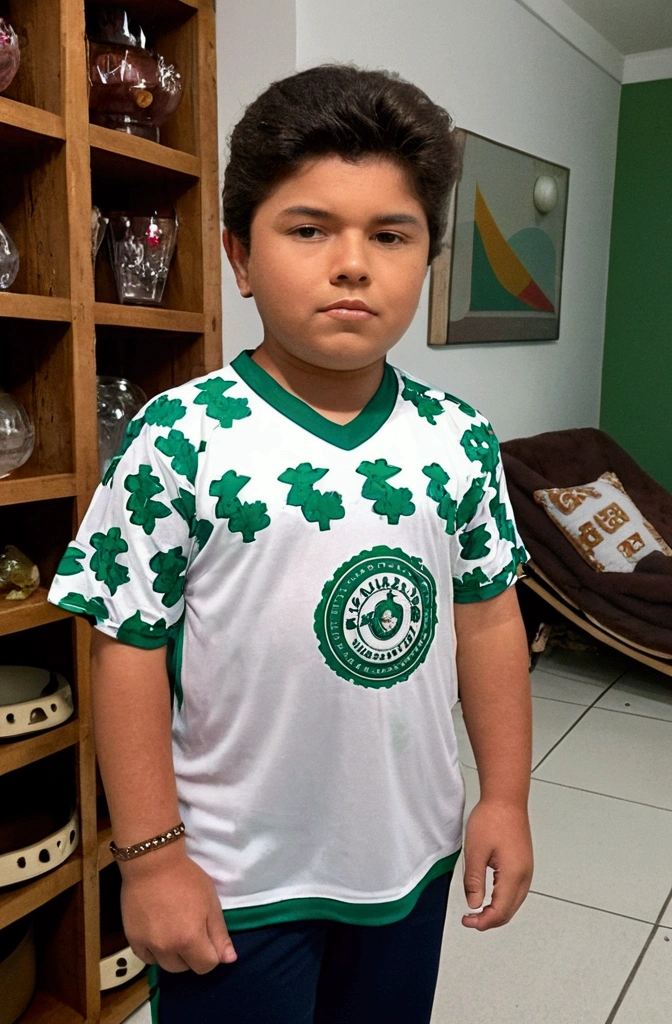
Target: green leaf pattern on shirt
69, 564
428, 407
474, 543
244, 517
95, 607
138, 633
182, 453
393, 502
165, 412
143, 487
321, 507
133, 431
185, 506
481, 445
217, 405
169, 567
108, 546
437, 491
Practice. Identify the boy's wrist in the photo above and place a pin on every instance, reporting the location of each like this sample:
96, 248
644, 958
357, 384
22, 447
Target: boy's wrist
158, 861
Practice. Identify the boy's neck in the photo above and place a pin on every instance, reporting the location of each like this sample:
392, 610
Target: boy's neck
338, 395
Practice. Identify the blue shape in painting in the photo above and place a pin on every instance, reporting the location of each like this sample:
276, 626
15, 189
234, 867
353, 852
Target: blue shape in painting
536, 251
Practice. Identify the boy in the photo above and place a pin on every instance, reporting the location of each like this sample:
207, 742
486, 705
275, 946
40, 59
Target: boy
306, 549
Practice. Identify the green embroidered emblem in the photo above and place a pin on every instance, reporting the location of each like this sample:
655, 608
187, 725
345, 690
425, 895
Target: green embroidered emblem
169, 568
377, 617
418, 394
143, 486
69, 563
481, 445
474, 543
95, 608
165, 412
133, 430
139, 633
108, 546
217, 405
320, 507
185, 506
182, 452
244, 517
436, 490
393, 502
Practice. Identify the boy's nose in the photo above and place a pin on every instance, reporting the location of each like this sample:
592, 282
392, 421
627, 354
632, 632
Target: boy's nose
350, 263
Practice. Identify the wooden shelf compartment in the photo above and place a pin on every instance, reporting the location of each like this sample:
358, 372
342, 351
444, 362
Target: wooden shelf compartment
33, 748
154, 360
148, 319
36, 368
25, 899
33, 210
39, 80
20, 123
16, 616
110, 149
119, 1003
45, 1008
32, 307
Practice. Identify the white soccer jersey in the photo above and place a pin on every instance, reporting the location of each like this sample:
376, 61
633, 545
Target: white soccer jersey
303, 575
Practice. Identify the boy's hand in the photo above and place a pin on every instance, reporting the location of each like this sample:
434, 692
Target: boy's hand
497, 836
171, 913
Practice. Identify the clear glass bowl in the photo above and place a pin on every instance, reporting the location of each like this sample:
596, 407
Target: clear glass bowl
9, 260
132, 89
17, 434
141, 249
118, 402
10, 55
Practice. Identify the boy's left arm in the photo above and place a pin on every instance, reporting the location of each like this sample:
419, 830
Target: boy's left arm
494, 682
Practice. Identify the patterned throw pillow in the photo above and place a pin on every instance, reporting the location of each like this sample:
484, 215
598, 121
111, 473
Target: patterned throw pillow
603, 523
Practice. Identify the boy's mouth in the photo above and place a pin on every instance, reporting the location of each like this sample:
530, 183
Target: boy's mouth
349, 309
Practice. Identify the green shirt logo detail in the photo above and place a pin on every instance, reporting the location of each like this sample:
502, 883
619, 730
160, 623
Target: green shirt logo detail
246, 518
69, 564
108, 546
185, 506
169, 568
139, 633
417, 393
393, 502
320, 507
377, 617
217, 405
182, 452
143, 486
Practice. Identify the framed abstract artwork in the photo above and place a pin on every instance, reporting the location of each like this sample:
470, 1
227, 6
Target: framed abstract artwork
499, 275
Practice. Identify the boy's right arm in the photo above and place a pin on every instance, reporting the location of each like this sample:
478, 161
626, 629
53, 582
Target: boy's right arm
171, 911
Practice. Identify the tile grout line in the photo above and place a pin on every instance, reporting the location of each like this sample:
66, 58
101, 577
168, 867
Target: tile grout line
589, 906
638, 963
573, 726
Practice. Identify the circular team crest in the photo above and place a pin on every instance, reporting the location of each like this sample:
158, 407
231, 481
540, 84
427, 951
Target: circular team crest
376, 620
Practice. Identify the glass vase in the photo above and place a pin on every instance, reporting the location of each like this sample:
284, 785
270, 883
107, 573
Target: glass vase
132, 89
141, 249
9, 260
17, 434
118, 402
10, 55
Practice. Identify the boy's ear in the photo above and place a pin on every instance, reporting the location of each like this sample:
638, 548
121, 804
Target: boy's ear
239, 259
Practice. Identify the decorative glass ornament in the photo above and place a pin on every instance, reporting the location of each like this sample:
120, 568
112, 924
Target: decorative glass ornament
17, 434
132, 89
19, 577
10, 55
118, 402
9, 260
98, 227
141, 249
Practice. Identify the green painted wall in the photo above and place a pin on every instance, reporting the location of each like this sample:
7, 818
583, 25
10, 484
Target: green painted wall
636, 407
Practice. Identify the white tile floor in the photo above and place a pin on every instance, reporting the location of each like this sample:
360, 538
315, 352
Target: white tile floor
593, 942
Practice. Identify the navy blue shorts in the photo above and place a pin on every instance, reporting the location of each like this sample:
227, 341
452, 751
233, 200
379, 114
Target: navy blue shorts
319, 972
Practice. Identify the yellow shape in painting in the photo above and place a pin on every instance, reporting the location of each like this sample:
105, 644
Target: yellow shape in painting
510, 272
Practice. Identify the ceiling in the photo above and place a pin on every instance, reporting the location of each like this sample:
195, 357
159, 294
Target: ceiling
631, 26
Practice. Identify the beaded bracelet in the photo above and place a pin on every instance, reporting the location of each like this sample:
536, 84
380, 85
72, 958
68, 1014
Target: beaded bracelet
129, 852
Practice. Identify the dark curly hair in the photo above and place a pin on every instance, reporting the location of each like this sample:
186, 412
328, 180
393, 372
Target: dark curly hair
350, 112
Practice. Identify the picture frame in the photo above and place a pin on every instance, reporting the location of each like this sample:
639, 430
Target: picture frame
498, 277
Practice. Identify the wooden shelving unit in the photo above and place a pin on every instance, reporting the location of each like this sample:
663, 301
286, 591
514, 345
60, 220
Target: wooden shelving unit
60, 325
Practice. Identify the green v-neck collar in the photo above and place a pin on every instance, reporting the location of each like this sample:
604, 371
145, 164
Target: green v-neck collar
346, 436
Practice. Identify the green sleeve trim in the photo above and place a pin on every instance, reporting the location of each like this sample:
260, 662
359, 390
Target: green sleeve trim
485, 592
316, 908
345, 436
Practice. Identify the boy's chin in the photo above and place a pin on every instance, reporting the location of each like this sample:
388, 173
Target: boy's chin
342, 356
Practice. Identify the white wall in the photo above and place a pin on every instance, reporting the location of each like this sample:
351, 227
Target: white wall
506, 75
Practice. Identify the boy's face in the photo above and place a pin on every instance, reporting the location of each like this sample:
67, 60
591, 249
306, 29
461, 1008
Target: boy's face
337, 259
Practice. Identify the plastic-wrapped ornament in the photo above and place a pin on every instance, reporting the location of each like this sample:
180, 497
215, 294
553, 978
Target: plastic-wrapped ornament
9, 260
141, 250
17, 434
98, 227
10, 55
19, 577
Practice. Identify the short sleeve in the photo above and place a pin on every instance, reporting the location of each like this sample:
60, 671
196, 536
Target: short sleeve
126, 567
488, 548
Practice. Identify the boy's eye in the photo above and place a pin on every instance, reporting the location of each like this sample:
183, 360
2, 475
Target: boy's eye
306, 231
389, 238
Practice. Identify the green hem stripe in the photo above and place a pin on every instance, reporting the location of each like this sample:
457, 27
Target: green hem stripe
316, 908
345, 436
